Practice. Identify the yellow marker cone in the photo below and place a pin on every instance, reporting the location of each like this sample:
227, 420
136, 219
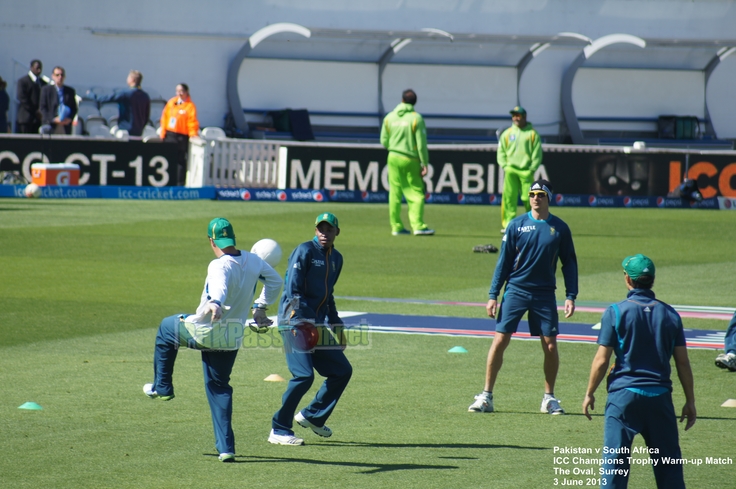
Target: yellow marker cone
729, 403
274, 378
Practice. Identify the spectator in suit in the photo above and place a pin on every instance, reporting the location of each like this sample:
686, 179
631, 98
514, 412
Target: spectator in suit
134, 105
58, 104
4, 105
28, 93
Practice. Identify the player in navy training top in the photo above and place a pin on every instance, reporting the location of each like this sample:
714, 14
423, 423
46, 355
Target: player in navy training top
531, 247
644, 333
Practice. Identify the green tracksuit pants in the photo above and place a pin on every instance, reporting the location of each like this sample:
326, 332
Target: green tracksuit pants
405, 178
516, 183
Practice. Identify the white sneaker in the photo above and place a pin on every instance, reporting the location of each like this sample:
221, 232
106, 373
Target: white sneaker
148, 390
550, 405
726, 360
284, 439
483, 404
227, 457
323, 431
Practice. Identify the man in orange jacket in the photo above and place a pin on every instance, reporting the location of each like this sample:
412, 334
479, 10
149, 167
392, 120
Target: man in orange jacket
178, 124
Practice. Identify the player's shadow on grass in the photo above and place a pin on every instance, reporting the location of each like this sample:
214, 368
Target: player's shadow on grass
371, 468
429, 445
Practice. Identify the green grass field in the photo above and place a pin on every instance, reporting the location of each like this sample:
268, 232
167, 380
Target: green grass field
85, 284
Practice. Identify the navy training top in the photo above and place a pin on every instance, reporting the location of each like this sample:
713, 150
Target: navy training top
643, 333
311, 273
529, 253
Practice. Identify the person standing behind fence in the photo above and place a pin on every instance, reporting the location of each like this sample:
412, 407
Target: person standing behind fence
4, 105
58, 104
134, 105
178, 124
28, 93
519, 154
404, 135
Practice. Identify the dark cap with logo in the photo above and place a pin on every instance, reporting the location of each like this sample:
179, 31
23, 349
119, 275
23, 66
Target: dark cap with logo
518, 110
543, 185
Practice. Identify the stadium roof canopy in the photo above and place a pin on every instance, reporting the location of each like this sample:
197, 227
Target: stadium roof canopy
433, 46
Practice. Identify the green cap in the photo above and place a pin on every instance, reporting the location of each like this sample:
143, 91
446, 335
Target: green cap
221, 232
327, 217
639, 268
518, 110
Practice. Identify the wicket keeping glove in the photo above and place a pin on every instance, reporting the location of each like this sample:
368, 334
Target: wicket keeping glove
262, 322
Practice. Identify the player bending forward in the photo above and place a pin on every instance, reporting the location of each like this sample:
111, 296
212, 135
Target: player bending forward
216, 328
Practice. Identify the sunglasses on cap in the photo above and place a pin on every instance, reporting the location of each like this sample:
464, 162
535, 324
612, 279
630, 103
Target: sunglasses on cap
538, 193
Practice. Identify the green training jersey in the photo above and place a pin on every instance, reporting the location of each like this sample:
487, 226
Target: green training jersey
403, 132
520, 148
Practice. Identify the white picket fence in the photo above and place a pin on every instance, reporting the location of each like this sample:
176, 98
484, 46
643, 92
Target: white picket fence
227, 162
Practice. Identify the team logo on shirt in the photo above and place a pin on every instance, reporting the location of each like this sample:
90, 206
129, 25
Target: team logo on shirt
551, 231
512, 137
